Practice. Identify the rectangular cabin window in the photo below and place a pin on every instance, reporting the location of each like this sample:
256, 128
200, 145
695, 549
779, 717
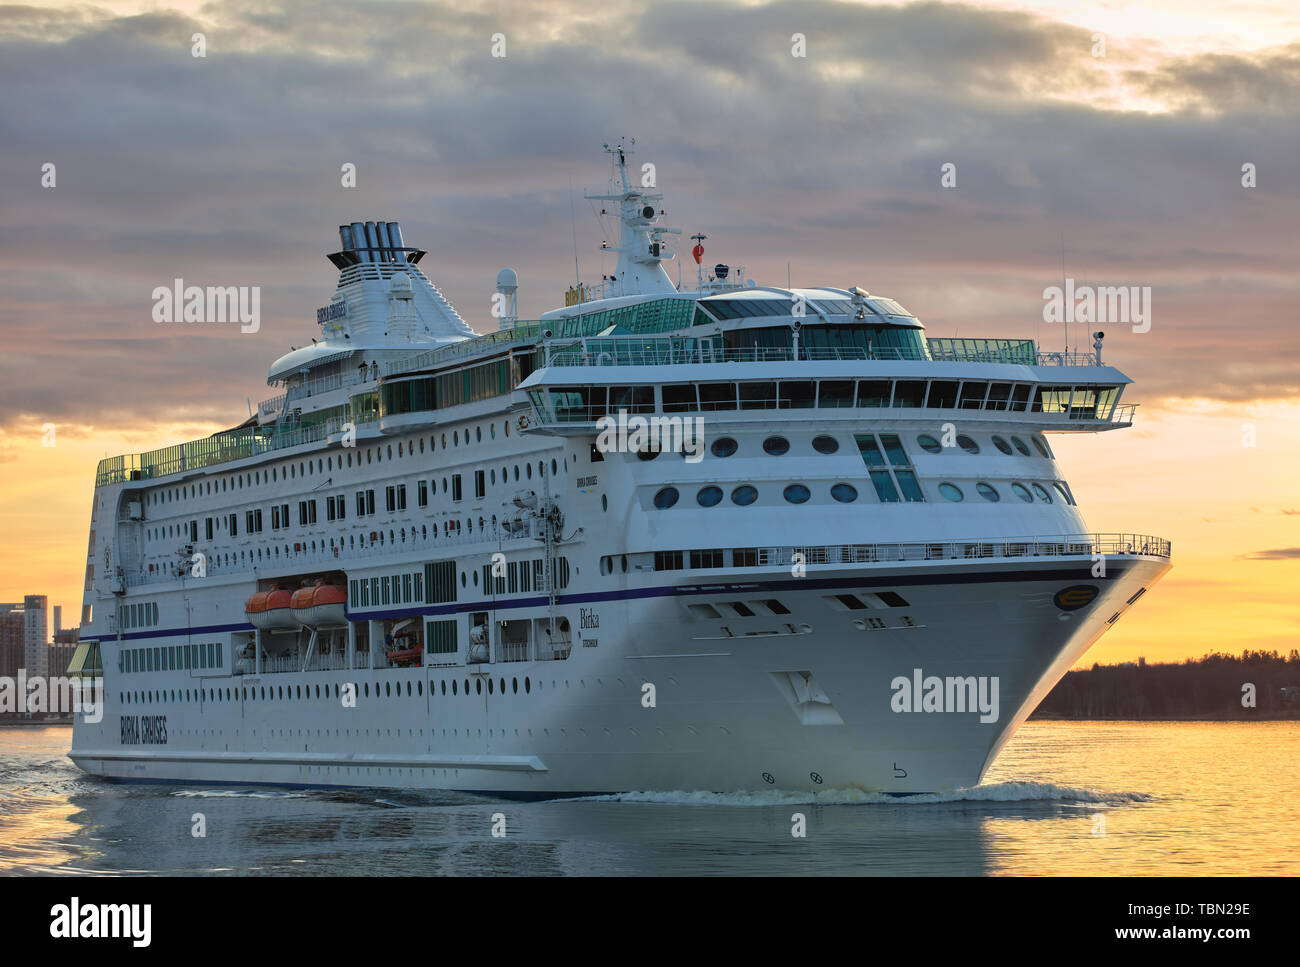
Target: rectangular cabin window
208, 523
480, 484
999, 396
870, 450
835, 393
680, 398
1051, 399
711, 558
717, 396
232, 525
909, 393
1083, 404
456, 493
668, 560
884, 485
874, 392
894, 448
744, 557
943, 395
418, 578
796, 395
757, 396
973, 393
422, 493
1020, 397
908, 484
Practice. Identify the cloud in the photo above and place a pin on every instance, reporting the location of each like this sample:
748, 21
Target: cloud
225, 170
1281, 554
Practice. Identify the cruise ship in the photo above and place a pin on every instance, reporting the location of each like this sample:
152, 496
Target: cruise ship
669, 536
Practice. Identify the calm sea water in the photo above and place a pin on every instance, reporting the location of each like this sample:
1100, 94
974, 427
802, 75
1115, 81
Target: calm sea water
1064, 798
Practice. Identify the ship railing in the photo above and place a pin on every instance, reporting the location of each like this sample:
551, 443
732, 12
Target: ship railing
324, 384
690, 350
1069, 545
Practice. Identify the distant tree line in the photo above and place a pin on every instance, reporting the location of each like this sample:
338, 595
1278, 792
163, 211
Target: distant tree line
1210, 687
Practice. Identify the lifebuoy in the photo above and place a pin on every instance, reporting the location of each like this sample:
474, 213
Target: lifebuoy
523, 423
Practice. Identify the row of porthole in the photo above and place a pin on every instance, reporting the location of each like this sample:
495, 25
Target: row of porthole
930, 445
745, 494
230, 695
950, 491
846, 493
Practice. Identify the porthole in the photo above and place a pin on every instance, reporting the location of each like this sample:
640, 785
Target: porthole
604, 503
928, 443
1002, 445
951, 492
709, 496
1041, 445
1043, 495
1061, 489
647, 454
1020, 446
796, 494
776, 445
666, 497
723, 447
988, 492
844, 493
825, 444
1022, 492
744, 495
967, 444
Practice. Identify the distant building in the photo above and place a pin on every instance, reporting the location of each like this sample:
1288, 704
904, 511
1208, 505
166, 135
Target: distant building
13, 631
36, 638
58, 620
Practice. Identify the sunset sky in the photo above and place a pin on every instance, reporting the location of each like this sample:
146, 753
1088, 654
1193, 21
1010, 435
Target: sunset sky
225, 170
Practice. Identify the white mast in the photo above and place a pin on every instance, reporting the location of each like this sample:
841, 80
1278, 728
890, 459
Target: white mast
642, 248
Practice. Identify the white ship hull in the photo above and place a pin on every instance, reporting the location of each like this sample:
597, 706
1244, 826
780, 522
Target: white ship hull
721, 719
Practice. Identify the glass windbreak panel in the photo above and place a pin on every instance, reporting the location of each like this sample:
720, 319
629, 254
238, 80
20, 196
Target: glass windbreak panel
943, 395
909, 393
1051, 399
884, 485
908, 483
890, 307
870, 451
796, 395
757, 396
717, 396
680, 399
894, 448
999, 396
972, 394
835, 393
874, 392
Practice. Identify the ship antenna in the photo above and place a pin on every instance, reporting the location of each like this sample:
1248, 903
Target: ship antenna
577, 276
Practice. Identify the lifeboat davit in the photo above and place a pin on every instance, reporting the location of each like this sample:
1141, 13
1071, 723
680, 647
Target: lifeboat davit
271, 610
323, 605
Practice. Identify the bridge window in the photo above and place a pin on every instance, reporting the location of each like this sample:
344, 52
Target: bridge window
835, 393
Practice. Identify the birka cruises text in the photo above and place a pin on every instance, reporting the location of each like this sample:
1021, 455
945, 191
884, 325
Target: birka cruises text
144, 729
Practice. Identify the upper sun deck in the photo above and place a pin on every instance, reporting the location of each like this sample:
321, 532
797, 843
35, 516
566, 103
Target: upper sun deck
650, 340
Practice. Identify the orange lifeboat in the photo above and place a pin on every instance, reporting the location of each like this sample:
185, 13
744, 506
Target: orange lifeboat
271, 610
322, 605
